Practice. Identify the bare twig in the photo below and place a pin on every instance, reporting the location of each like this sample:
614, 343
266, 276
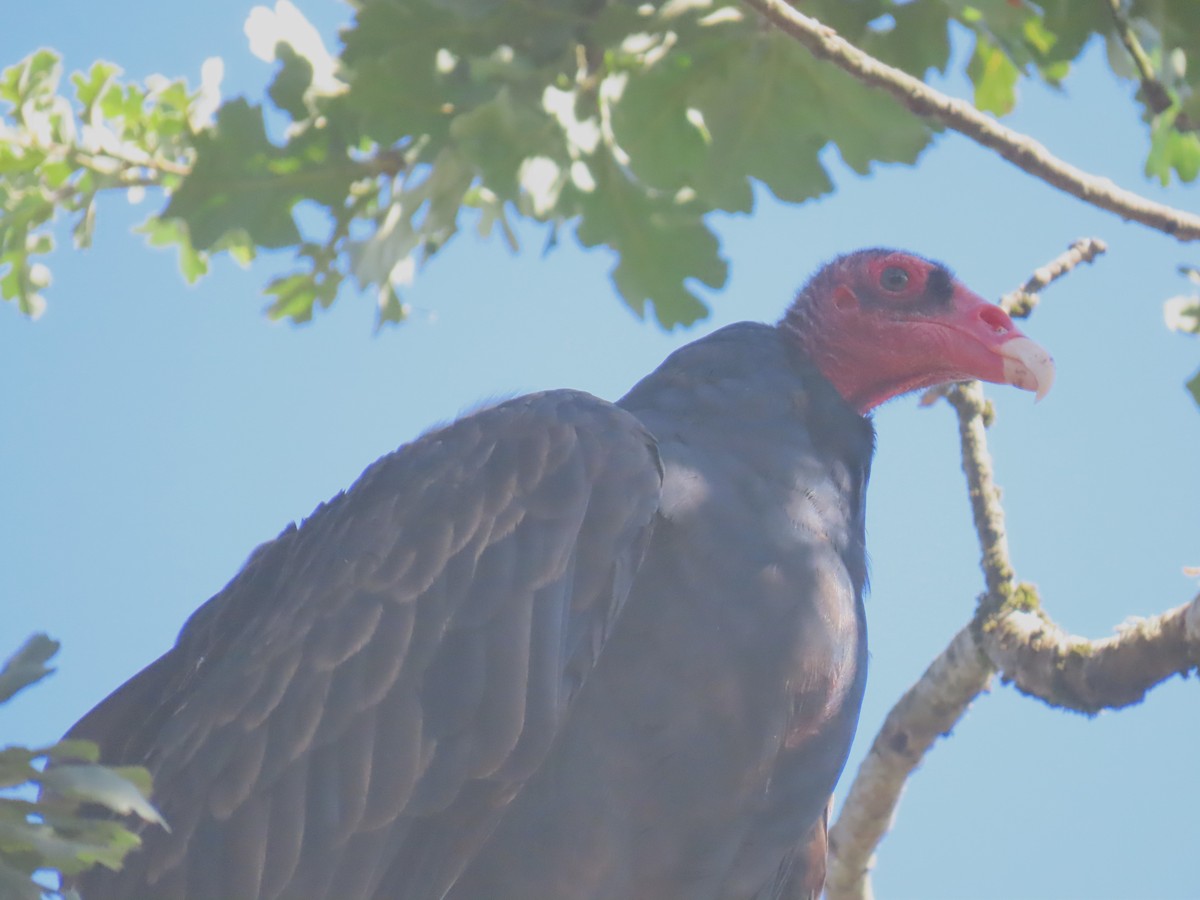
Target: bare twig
1021, 302
1009, 633
1019, 149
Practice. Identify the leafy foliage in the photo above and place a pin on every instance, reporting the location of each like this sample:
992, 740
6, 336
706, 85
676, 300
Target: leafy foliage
627, 123
51, 831
57, 156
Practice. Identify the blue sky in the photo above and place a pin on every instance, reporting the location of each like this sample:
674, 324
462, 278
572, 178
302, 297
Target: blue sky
151, 435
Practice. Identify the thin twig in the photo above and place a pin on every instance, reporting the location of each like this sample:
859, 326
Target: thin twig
1019, 149
974, 416
1021, 302
1158, 97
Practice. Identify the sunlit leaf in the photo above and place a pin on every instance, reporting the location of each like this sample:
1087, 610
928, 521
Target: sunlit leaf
995, 78
112, 788
27, 666
1172, 151
54, 830
161, 232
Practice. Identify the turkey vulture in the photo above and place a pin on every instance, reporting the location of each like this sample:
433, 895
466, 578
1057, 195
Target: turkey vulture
560, 648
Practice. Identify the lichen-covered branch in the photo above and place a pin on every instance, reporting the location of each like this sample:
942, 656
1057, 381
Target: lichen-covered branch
929, 709
1019, 149
974, 415
1020, 639
1009, 634
1086, 676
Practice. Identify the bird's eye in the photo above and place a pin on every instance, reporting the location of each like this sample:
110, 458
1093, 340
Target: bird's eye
894, 279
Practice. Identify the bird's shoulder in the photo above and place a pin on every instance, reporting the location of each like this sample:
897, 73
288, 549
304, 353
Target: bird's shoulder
440, 614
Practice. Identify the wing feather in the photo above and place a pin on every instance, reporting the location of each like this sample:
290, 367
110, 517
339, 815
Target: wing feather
245, 847
371, 691
398, 757
285, 830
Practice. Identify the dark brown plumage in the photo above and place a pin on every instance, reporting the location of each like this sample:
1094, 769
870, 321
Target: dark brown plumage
559, 648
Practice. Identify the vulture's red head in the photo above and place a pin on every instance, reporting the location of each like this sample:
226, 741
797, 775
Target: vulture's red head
880, 323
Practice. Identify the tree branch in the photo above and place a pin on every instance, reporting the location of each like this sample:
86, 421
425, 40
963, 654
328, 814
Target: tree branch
1023, 643
1074, 673
1019, 149
1021, 302
1009, 633
929, 709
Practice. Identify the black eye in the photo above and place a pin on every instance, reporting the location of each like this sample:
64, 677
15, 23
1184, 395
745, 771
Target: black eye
894, 279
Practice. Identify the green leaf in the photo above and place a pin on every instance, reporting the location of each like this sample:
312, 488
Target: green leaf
656, 123
291, 82
1172, 151
112, 788
296, 295
56, 173
72, 849
33, 79
919, 40
52, 832
16, 766
90, 87
1073, 24
16, 884
161, 232
69, 842
1193, 386
395, 43
497, 136
662, 245
126, 102
27, 666
72, 749
995, 78
240, 180
238, 245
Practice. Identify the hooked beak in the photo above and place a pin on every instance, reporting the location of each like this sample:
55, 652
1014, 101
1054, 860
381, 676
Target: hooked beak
994, 349
1027, 365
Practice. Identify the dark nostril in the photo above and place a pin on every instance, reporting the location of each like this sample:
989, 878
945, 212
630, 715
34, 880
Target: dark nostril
996, 319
